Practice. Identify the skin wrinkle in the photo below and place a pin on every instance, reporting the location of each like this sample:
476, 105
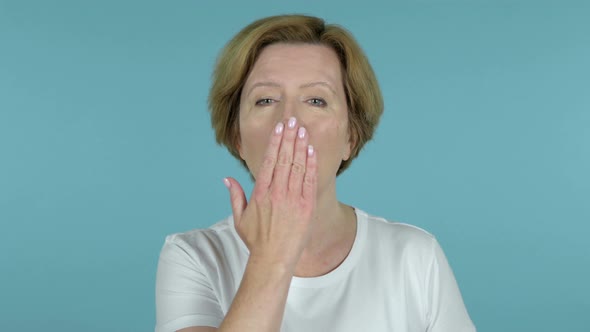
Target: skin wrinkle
278, 85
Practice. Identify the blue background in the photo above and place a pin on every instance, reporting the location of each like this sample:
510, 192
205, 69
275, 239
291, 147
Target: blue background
106, 147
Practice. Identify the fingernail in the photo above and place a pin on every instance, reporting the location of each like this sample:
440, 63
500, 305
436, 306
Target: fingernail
292, 122
301, 132
279, 128
310, 150
226, 182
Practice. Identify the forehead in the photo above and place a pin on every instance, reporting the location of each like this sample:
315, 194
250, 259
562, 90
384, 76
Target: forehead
298, 63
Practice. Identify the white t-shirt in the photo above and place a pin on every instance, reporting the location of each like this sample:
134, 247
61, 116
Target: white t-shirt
396, 278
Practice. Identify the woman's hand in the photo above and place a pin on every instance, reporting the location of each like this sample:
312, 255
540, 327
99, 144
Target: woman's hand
275, 224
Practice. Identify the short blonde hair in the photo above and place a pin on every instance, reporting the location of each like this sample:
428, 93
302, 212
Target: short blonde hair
363, 96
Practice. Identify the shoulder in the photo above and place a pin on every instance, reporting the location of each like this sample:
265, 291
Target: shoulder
200, 243
399, 230
198, 235
397, 236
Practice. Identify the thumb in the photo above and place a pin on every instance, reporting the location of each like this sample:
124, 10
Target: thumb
237, 197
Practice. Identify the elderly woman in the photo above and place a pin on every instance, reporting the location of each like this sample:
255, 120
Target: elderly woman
295, 100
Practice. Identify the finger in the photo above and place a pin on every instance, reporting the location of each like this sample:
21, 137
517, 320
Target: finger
265, 173
237, 198
299, 161
280, 179
311, 175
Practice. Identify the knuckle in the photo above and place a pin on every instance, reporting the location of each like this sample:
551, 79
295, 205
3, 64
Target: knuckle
260, 196
268, 162
276, 197
306, 205
298, 168
309, 179
235, 200
285, 158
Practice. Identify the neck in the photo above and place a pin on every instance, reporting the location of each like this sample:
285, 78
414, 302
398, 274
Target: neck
332, 235
332, 220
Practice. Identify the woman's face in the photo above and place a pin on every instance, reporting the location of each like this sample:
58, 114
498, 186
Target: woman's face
302, 81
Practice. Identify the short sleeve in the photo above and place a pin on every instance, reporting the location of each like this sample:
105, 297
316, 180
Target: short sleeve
446, 310
184, 296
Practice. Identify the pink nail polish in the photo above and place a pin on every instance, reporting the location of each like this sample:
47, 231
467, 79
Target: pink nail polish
226, 182
301, 132
310, 150
292, 122
279, 128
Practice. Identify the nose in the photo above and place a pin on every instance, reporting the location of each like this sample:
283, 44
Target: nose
291, 108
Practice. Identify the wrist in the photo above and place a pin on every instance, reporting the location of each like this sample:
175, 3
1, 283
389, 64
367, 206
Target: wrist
270, 266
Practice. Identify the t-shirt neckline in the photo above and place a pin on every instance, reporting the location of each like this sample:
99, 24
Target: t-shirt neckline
341, 270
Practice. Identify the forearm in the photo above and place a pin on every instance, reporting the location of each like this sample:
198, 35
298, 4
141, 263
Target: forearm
259, 303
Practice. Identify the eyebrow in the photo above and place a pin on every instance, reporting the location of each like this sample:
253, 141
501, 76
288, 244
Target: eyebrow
303, 86
261, 84
312, 84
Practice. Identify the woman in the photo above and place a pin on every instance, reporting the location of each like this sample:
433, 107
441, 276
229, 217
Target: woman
295, 100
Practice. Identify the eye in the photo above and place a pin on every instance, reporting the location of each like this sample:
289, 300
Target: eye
317, 102
264, 101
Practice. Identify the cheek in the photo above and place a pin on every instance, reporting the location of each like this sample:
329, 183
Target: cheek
330, 135
329, 138
254, 138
